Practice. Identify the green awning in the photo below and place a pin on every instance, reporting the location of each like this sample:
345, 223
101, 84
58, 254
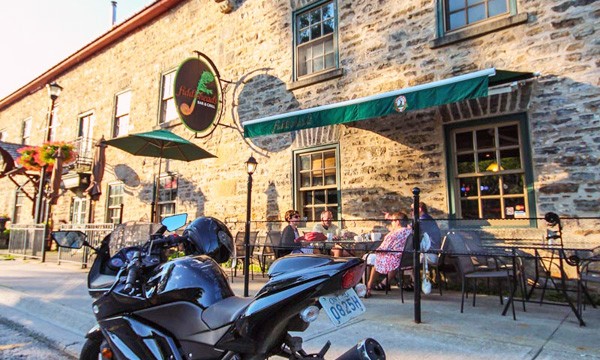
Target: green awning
467, 86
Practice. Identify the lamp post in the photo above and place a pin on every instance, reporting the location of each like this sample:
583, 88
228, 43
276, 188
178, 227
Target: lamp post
250, 168
53, 92
416, 255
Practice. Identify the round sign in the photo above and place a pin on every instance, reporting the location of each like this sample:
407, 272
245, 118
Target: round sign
400, 103
197, 94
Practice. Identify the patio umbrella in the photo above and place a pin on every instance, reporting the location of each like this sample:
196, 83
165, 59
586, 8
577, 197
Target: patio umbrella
161, 144
56, 177
94, 190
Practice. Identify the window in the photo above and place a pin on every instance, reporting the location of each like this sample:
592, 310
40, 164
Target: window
122, 109
52, 125
19, 211
26, 132
167, 195
85, 140
167, 105
315, 39
490, 171
317, 185
115, 203
461, 13
79, 210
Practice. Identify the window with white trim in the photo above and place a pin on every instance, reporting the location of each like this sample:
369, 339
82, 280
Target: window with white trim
114, 207
26, 132
490, 171
167, 195
168, 112
19, 207
122, 114
79, 210
316, 180
315, 39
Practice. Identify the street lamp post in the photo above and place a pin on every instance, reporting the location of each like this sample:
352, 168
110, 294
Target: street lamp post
53, 92
250, 167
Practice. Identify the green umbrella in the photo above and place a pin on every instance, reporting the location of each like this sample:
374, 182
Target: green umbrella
160, 144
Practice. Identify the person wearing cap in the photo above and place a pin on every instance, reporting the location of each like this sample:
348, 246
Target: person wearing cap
429, 227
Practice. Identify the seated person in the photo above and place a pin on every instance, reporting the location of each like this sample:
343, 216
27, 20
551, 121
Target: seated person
327, 227
290, 234
387, 262
429, 227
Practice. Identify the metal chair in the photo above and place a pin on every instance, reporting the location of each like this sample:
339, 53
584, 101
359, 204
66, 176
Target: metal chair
588, 271
240, 251
470, 267
264, 249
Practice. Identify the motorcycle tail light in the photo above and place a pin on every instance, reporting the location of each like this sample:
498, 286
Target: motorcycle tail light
352, 276
310, 313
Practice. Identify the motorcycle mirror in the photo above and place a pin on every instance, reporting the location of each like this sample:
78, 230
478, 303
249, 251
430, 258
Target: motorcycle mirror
70, 239
174, 222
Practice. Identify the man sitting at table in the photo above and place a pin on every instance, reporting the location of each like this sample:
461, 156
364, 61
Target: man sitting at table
327, 227
430, 227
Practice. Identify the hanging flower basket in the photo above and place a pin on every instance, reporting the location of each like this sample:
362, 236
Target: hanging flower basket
35, 157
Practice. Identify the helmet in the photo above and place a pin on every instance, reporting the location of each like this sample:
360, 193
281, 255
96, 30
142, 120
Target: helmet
209, 236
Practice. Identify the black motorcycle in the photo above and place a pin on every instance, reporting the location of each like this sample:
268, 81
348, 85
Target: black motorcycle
150, 307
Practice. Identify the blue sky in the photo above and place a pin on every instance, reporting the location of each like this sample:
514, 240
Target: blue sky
35, 35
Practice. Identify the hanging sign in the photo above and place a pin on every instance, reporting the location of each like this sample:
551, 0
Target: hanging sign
197, 94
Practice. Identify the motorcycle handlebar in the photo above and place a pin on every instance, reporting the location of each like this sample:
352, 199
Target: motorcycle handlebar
132, 270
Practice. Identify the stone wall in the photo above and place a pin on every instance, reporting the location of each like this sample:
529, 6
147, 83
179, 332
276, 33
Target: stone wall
384, 45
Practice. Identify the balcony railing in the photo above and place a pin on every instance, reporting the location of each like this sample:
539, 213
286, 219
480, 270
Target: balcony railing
84, 147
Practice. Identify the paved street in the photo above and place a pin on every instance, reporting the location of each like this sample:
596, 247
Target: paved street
52, 300
16, 342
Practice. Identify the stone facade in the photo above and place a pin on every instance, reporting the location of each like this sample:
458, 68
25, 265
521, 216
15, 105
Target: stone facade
383, 45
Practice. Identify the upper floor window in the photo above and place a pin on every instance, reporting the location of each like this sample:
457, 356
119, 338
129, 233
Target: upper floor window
461, 13
315, 39
316, 179
85, 138
167, 104
491, 172
122, 109
52, 125
26, 132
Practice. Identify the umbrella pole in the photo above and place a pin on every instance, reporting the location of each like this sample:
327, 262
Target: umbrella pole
156, 189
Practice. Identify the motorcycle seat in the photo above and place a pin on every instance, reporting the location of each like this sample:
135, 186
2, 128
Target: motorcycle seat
225, 311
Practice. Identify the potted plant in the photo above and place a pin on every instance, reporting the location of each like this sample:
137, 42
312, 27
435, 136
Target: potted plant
35, 157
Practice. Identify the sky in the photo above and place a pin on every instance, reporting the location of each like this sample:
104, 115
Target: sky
35, 35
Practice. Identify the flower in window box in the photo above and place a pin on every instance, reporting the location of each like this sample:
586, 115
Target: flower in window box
34, 157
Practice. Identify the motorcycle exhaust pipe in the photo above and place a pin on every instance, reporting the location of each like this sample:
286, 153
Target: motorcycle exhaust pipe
367, 349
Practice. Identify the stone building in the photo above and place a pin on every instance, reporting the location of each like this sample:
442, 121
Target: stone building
346, 105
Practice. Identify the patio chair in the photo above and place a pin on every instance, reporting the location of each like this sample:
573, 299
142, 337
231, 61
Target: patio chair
588, 271
264, 249
469, 268
443, 265
240, 251
406, 264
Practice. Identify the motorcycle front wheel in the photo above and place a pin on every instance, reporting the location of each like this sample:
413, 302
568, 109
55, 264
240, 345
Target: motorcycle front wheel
91, 349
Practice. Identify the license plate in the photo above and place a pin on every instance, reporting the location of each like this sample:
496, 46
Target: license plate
342, 308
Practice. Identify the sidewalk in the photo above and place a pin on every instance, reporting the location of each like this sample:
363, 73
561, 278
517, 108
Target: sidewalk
52, 300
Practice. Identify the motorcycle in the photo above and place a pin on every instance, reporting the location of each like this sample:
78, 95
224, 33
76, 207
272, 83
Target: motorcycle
150, 307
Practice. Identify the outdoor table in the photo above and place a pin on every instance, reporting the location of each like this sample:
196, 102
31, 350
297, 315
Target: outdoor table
350, 246
559, 255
